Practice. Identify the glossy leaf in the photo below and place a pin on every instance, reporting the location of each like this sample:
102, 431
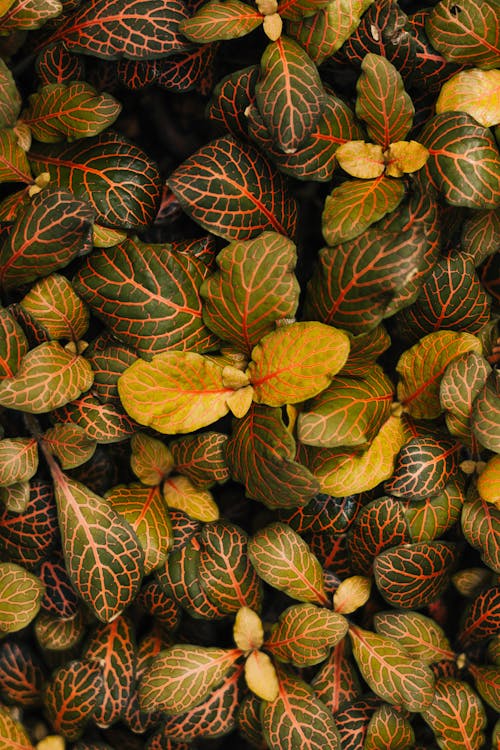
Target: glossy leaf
232, 191
422, 367
456, 716
289, 94
71, 696
18, 460
14, 165
49, 377
305, 634
481, 234
420, 636
180, 493
261, 455
151, 460
53, 230
487, 679
55, 306
481, 618
464, 162
296, 362
104, 423
382, 102
428, 519
413, 575
462, 381
423, 468
108, 364
253, 288
388, 728
201, 458
20, 597
379, 524
117, 178
182, 676
55, 64
475, 92
230, 98
103, 555
283, 559
480, 522
390, 672
468, 34
431, 68
12, 733
337, 682
29, 15
13, 344
217, 21
484, 417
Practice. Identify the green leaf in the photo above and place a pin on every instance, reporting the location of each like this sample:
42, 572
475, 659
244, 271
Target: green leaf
464, 163
337, 680
456, 716
13, 344
70, 444
350, 411
118, 179
55, 306
467, 33
305, 634
388, 728
12, 733
29, 15
365, 349
379, 524
462, 381
10, 98
484, 416
487, 681
422, 367
103, 555
218, 20
14, 165
51, 232
18, 460
296, 362
355, 205
233, 191
423, 468
254, 287
20, 597
261, 455
180, 493
71, 696
289, 94
473, 91
413, 575
481, 234
480, 522
420, 636
182, 676
390, 672
284, 561
49, 377
148, 295
75, 110
151, 460
15, 497
296, 9
382, 101
297, 718
125, 28
201, 458
482, 617
108, 364
145, 510
104, 423
230, 99
428, 519
175, 392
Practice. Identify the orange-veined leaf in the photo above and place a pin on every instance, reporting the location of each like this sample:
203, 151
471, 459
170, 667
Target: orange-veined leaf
15, 497
179, 492
217, 20
13, 344
13, 735
151, 460
305, 634
423, 467
20, 597
14, 165
420, 636
480, 519
487, 680
379, 524
473, 91
456, 716
201, 458
389, 728
71, 696
104, 423
481, 618
55, 306
468, 34
28, 15
10, 98
485, 410
18, 460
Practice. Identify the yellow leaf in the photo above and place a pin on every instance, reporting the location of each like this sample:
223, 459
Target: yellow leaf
267, 7
273, 26
474, 91
351, 594
179, 492
233, 377
248, 632
404, 157
151, 460
5, 6
261, 676
52, 742
360, 159
107, 237
488, 483
239, 401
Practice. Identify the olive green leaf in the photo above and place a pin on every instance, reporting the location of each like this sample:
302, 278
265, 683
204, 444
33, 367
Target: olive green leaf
428, 519
182, 676
480, 519
71, 696
456, 716
487, 681
179, 492
54, 304
102, 422
481, 234
14, 165
13, 344
15, 497
296, 362
10, 98
20, 597
462, 381
282, 559
49, 377
365, 349
466, 33
474, 91
12, 733
388, 728
201, 458
305, 634
420, 636
485, 410
70, 444
390, 672
18, 460
216, 21
29, 15
151, 460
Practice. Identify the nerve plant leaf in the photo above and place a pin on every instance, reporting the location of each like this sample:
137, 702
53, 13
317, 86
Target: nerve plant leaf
29, 15
480, 521
12, 733
469, 35
423, 468
10, 98
488, 483
179, 492
260, 676
390, 672
49, 377
475, 92
18, 460
216, 21
20, 597
103, 555
282, 559
13, 344
456, 716
389, 728
420, 636
201, 458
151, 460
485, 410
71, 696
55, 306
305, 634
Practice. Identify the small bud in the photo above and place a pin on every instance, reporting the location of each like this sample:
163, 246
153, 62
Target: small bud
248, 632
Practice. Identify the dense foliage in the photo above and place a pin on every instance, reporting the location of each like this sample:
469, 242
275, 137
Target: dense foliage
249, 387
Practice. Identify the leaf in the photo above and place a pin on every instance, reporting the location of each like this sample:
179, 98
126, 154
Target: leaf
390, 672
32, 528
108, 364
423, 468
388, 728
230, 98
405, 157
104, 423
482, 617
180, 493
428, 519
420, 636
14, 165
253, 288
487, 681
485, 409
49, 377
75, 110
283, 560
337, 681
488, 483
148, 295
71, 696
117, 178
456, 716
15, 497
20, 597
201, 458
248, 631
422, 367
344, 471
233, 192
466, 33
151, 460
10, 98
349, 411
473, 91
55, 306
296, 9
103, 555
296, 362
413, 575
380, 524
360, 159
12, 733
464, 163
124, 28
355, 205
13, 344
51, 232
305, 634
296, 718
18, 460
260, 676
217, 21
289, 93
261, 455
182, 676
382, 101
431, 68
481, 234
55, 64
480, 522
22, 677
29, 15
